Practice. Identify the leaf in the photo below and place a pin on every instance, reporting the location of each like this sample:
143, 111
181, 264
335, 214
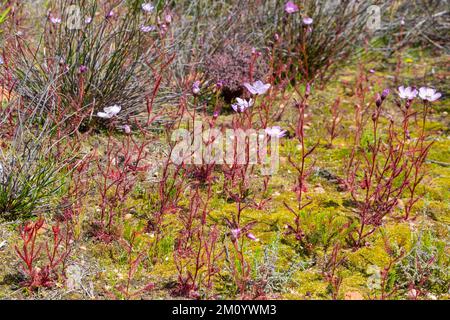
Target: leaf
4, 15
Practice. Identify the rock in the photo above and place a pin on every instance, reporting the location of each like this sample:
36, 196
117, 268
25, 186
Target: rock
353, 295
412, 294
400, 204
319, 189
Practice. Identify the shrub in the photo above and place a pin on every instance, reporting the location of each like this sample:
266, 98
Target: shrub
57, 252
231, 67
423, 269
387, 165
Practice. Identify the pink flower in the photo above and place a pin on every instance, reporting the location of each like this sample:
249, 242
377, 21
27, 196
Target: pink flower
257, 87
127, 129
276, 132
242, 105
83, 69
251, 236
168, 18
88, 20
147, 28
290, 7
307, 21
55, 20
429, 94
407, 93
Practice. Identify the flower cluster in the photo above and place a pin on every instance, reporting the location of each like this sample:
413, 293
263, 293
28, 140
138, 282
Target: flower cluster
426, 94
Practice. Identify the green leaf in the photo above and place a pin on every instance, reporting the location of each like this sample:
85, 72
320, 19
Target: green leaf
4, 15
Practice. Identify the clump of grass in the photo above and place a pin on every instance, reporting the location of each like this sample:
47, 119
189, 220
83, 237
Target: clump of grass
319, 48
29, 177
93, 58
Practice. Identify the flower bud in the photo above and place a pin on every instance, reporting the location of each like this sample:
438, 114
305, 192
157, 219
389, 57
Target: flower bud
307, 90
374, 116
82, 69
384, 94
378, 100
408, 103
196, 87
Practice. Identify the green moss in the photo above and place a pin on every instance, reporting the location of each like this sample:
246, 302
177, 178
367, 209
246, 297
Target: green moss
396, 235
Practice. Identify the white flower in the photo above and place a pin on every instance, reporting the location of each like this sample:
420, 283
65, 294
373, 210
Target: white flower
1, 171
147, 28
429, 94
109, 112
275, 132
257, 87
407, 93
55, 20
242, 105
307, 21
148, 7
88, 20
